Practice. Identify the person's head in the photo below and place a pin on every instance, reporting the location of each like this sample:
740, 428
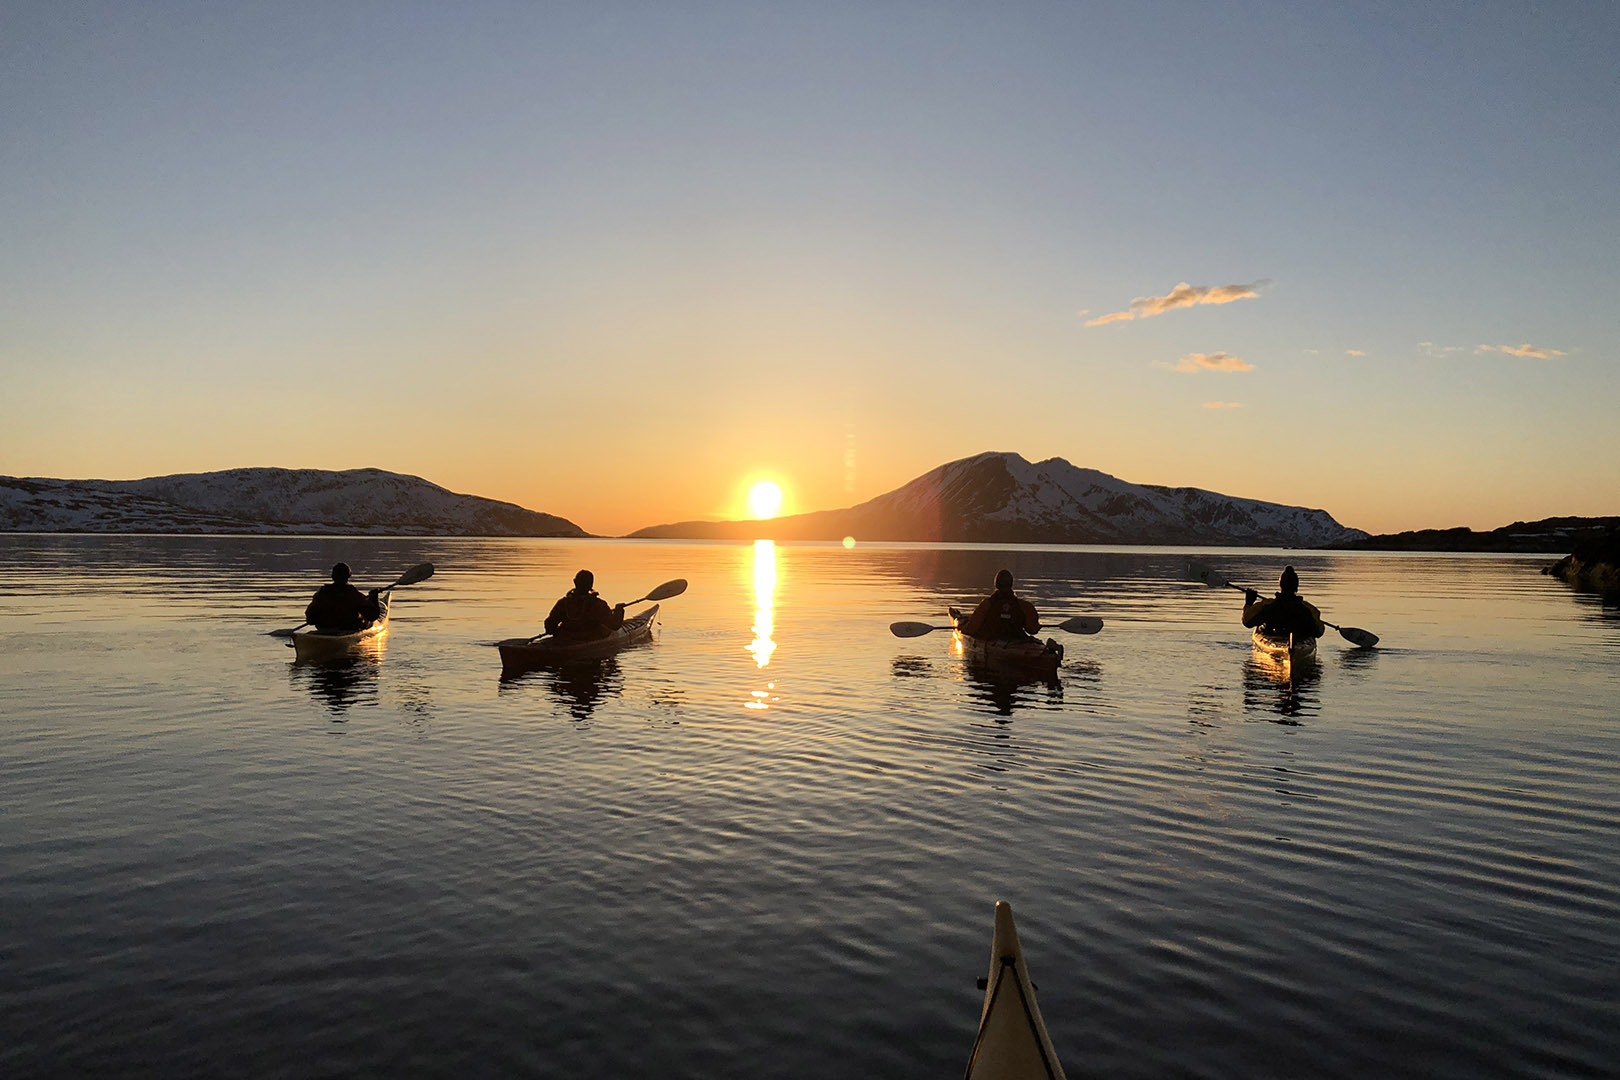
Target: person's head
584, 580
1289, 582
1003, 580
340, 573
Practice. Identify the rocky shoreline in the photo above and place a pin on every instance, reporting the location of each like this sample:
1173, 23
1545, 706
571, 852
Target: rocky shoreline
1593, 566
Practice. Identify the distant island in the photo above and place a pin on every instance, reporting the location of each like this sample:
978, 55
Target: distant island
999, 497
266, 502
1549, 536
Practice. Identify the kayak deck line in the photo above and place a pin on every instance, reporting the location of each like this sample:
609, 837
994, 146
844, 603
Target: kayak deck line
1012, 1042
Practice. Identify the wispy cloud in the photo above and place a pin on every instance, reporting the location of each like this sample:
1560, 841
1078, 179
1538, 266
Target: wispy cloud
1215, 361
1532, 352
1354, 352
1223, 405
1183, 295
1439, 352
1313, 352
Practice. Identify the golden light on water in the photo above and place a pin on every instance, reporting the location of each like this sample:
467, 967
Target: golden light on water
764, 605
765, 499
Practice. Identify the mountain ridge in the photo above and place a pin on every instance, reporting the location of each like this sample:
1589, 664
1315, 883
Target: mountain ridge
1000, 497
267, 501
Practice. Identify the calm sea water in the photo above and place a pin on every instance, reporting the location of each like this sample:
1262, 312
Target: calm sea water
769, 842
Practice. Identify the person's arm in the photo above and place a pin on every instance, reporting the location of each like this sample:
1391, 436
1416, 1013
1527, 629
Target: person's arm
612, 618
1032, 618
1318, 628
973, 625
554, 621
1254, 608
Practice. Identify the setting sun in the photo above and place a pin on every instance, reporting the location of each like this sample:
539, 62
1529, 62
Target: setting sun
765, 499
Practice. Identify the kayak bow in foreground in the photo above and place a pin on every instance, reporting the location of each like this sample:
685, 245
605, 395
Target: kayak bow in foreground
1012, 1043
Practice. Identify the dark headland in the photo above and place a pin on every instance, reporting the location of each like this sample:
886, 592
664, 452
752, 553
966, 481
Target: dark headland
1549, 536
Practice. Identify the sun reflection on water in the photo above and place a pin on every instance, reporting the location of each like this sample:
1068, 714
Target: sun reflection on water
764, 618
764, 601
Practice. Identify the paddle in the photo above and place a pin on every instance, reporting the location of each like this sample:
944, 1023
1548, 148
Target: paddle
662, 592
419, 572
1079, 624
1355, 635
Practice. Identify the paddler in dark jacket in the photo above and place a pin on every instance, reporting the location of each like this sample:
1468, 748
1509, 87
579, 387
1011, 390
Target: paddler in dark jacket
581, 615
1286, 613
1003, 615
341, 606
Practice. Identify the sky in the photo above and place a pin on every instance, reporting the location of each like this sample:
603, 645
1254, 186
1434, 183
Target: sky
619, 261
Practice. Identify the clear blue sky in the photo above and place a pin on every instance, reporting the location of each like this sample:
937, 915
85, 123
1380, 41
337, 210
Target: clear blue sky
615, 261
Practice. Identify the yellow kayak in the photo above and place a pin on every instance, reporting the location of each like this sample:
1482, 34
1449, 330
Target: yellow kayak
1012, 1042
1296, 647
317, 644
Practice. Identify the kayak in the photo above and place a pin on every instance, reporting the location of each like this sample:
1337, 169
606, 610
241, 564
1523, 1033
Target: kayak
517, 653
1012, 1043
1029, 656
1295, 647
317, 644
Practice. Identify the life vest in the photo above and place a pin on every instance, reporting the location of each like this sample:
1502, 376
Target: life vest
1287, 614
1007, 617
580, 615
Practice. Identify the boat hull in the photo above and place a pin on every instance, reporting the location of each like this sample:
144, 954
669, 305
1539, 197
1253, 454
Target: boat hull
1012, 1043
1293, 647
326, 645
1028, 657
518, 655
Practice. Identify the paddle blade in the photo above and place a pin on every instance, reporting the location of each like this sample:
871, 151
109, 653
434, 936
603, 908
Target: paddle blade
287, 633
1081, 624
666, 590
913, 629
1200, 572
1357, 636
419, 572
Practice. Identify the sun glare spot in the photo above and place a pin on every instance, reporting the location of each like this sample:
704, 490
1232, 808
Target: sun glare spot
765, 499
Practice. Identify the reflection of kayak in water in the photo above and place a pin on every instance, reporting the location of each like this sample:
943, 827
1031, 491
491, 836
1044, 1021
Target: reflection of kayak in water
1027, 656
1012, 1043
519, 653
1295, 647
320, 644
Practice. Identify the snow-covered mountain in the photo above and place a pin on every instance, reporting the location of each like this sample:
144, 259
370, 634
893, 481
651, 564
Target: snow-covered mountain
1002, 498
352, 502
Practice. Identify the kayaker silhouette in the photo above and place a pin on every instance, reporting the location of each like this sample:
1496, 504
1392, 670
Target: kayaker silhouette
1284, 614
581, 615
1003, 615
341, 606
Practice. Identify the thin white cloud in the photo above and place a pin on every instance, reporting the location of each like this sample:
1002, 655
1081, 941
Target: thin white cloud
1223, 405
1527, 350
1217, 361
1313, 352
1354, 352
1183, 295
1439, 352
